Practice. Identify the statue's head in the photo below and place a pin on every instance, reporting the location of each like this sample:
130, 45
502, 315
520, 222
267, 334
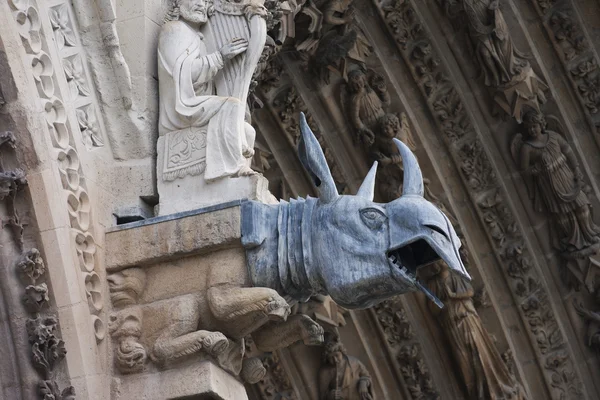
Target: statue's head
534, 123
362, 252
333, 349
195, 11
390, 125
357, 80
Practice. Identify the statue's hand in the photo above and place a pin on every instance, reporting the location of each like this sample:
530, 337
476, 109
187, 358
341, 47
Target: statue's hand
233, 48
349, 15
363, 390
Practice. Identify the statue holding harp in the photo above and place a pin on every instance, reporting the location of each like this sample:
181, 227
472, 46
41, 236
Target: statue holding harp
207, 53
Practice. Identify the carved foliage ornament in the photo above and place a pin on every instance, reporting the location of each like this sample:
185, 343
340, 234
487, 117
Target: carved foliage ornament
406, 349
522, 275
47, 347
572, 44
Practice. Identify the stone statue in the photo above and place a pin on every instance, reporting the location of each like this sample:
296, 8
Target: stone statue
499, 60
384, 151
335, 41
201, 118
367, 103
555, 184
348, 247
592, 318
342, 377
481, 367
503, 67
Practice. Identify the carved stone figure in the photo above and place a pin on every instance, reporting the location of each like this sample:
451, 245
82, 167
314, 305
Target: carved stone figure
126, 328
555, 185
126, 323
481, 367
592, 318
366, 104
503, 67
335, 41
349, 247
385, 152
196, 110
342, 377
499, 60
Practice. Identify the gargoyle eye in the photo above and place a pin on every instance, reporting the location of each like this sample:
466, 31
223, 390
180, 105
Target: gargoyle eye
438, 230
372, 217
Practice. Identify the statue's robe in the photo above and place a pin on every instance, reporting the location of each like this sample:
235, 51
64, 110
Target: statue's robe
189, 101
345, 379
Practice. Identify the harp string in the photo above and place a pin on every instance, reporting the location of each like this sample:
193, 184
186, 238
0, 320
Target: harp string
231, 78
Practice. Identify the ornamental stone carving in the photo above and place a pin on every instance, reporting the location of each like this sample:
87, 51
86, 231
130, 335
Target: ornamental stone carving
125, 323
47, 348
342, 377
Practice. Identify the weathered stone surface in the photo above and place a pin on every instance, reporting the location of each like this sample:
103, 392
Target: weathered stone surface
202, 380
175, 236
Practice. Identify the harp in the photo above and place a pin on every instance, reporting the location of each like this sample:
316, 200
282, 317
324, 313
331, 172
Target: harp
237, 19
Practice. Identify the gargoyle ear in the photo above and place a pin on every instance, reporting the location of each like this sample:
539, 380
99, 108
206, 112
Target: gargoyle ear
413, 179
367, 188
312, 158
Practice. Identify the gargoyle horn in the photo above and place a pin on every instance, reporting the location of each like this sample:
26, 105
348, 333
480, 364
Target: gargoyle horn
312, 158
367, 188
413, 179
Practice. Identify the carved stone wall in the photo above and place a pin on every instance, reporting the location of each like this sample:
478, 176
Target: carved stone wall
466, 84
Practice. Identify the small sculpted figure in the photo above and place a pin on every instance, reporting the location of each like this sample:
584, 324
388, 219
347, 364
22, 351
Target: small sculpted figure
342, 377
481, 367
186, 72
341, 41
556, 184
515, 85
592, 318
499, 60
386, 153
366, 104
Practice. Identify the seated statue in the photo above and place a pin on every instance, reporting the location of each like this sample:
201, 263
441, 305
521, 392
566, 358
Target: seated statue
191, 112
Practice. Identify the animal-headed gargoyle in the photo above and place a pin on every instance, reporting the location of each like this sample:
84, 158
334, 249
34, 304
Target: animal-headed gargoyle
348, 247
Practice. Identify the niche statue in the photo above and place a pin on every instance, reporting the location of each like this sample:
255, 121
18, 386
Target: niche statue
204, 78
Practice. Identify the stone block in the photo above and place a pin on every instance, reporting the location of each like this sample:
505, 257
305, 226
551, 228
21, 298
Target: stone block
202, 380
181, 185
174, 236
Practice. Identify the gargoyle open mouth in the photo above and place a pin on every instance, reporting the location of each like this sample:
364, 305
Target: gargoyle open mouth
409, 258
413, 256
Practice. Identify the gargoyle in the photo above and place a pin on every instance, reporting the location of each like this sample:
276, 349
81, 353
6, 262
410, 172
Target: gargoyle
348, 247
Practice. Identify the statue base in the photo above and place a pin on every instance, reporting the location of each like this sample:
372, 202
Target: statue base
183, 188
203, 380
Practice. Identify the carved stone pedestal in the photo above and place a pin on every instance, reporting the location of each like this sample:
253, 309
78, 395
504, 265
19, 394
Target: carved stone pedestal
202, 381
181, 185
